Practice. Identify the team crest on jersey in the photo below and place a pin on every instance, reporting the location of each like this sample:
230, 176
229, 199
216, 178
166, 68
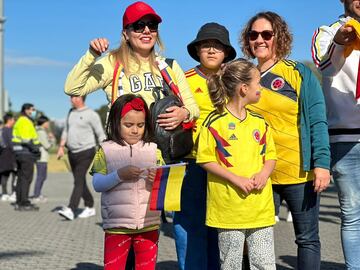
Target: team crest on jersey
198, 90
231, 126
256, 135
277, 84
233, 137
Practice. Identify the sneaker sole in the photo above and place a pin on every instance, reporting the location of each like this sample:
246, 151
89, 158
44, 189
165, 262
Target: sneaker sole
65, 216
87, 216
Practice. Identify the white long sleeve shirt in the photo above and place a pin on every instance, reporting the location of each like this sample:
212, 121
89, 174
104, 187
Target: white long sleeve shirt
339, 77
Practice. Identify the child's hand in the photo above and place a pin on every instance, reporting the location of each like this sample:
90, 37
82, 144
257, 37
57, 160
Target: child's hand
151, 174
129, 172
245, 184
259, 180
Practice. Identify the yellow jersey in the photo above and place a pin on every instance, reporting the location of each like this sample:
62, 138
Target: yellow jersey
279, 105
242, 148
198, 86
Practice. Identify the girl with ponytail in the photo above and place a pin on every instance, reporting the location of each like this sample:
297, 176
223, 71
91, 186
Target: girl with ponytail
236, 148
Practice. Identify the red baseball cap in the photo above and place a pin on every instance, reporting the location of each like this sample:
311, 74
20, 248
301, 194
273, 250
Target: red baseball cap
136, 11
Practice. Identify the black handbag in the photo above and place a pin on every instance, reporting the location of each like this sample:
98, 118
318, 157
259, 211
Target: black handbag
174, 144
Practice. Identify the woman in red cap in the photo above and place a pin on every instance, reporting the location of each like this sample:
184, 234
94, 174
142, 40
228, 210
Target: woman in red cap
139, 66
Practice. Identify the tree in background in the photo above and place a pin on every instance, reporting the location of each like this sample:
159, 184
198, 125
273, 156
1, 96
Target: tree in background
102, 111
311, 65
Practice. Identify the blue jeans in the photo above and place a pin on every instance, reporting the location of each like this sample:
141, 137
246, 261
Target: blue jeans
196, 244
41, 175
303, 203
346, 173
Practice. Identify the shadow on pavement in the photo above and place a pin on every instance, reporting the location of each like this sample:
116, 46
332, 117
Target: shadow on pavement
167, 229
100, 224
291, 262
332, 266
87, 266
167, 265
14, 254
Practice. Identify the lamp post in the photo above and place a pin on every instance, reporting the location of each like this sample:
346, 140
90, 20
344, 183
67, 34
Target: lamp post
2, 90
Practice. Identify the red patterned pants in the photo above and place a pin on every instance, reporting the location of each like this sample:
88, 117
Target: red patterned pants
117, 248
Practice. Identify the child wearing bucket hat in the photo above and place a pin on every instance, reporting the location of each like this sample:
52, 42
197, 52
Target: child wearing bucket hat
196, 244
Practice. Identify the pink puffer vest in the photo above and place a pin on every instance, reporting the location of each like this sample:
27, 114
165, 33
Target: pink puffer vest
127, 204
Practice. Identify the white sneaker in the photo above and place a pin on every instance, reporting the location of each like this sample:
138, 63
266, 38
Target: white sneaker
5, 198
12, 197
277, 219
87, 212
289, 217
40, 199
67, 213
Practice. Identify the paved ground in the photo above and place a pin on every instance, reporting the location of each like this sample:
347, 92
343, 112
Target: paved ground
44, 240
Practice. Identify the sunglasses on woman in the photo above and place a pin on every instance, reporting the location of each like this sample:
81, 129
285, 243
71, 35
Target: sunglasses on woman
266, 35
139, 26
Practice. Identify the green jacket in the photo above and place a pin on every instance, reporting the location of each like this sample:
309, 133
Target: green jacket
315, 145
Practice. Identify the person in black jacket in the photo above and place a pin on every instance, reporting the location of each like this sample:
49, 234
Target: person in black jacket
7, 157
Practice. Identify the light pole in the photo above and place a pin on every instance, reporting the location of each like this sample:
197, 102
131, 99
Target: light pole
2, 90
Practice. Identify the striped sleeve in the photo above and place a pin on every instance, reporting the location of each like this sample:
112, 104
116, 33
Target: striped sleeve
188, 98
327, 55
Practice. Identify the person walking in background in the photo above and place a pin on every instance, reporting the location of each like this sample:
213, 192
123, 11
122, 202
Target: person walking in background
47, 140
197, 244
336, 56
278, 203
83, 130
139, 66
237, 149
293, 104
121, 173
27, 150
7, 158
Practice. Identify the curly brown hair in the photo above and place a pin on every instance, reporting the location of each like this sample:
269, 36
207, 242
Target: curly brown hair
282, 35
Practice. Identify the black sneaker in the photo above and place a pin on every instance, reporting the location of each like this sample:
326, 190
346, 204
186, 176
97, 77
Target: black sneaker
27, 207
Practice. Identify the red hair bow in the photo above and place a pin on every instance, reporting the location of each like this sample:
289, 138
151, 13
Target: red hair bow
136, 104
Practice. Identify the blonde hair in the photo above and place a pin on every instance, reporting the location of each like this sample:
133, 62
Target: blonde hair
125, 53
222, 85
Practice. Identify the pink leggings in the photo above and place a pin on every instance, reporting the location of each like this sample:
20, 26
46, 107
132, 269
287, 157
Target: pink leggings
117, 248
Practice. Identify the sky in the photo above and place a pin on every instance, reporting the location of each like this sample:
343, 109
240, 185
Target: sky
43, 39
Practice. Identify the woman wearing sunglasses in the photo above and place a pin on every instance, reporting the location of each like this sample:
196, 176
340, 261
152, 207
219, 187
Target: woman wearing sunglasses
139, 66
293, 105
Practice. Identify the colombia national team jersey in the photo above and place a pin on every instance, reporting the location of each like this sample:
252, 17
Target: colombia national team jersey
279, 104
199, 89
241, 147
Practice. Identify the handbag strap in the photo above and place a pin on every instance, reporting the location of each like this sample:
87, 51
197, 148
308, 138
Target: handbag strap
169, 77
117, 89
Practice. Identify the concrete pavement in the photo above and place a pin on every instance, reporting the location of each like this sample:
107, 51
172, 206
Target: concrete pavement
44, 240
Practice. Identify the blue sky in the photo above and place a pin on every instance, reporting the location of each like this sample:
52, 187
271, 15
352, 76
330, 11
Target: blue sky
45, 38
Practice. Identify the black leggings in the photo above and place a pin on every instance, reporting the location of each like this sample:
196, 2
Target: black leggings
4, 177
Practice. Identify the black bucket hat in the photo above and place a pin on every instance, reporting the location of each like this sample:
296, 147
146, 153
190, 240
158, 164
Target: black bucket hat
212, 31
